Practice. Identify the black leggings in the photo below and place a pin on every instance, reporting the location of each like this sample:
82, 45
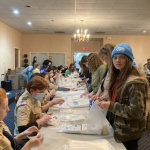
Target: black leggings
131, 145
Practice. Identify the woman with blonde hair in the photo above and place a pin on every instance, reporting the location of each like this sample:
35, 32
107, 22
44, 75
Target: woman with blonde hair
7, 142
105, 53
128, 92
36, 68
97, 68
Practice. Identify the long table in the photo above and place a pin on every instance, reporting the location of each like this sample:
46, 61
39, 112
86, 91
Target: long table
54, 140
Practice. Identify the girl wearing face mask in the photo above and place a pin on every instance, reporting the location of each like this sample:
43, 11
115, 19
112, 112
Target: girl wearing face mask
7, 142
128, 92
105, 53
97, 68
28, 111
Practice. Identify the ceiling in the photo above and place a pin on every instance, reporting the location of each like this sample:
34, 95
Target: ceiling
109, 16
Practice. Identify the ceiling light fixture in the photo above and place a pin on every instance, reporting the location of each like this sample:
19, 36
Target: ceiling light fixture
81, 36
29, 23
16, 11
144, 31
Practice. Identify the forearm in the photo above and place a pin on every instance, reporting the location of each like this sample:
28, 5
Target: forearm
105, 96
98, 92
26, 146
39, 122
46, 106
22, 128
20, 137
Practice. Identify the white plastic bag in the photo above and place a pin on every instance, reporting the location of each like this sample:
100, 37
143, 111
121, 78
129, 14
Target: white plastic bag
96, 118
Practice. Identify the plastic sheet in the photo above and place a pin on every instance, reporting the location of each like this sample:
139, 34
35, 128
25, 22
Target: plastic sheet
88, 145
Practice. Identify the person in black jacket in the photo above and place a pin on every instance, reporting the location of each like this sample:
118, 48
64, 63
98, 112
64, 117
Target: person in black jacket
48, 62
34, 60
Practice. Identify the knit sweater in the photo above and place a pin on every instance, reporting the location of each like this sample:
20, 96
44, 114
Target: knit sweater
97, 77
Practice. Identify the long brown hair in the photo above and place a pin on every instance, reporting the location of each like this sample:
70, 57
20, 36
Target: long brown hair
70, 68
128, 70
84, 69
107, 50
94, 61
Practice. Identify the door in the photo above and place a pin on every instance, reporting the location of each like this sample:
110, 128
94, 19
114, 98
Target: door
16, 57
40, 58
58, 59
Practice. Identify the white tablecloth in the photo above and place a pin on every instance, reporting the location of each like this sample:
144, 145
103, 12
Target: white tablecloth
54, 140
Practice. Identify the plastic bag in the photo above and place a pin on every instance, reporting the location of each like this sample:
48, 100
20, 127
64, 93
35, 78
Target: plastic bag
96, 118
55, 121
101, 144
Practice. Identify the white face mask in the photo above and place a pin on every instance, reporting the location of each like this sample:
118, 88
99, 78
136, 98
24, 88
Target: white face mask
39, 96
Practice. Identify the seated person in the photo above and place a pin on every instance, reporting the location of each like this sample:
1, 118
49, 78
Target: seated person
70, 70
36, 68
43, 69
145, 70
7, 142
28, 111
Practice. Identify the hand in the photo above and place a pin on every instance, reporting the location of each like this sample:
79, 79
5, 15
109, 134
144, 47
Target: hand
99, 99
103, 104
50, 113
41, 71
90, 95
84, 94
72, 89
30, 130
52, 92
77, 83
58, 101
55, 83
36, 141
94, 97
46, 117
87, 79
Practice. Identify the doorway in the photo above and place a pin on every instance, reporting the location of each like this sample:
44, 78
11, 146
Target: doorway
16, 58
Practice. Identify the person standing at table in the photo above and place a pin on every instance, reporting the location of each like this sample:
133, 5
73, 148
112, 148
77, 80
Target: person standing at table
7, 142
28, 111
48, 62
97, 68
128, 92
34, 60
105, 53
85, 69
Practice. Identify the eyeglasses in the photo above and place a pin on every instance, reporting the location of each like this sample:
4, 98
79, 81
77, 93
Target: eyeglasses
119, 58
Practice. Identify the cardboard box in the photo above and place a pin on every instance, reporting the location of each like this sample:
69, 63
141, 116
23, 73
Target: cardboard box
22, 83
11, 72
20, 76
19, 70
14, 81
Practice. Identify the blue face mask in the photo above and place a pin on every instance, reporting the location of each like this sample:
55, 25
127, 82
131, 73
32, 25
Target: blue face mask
39, 96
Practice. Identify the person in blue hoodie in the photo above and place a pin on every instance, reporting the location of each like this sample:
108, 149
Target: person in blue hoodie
26, 73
